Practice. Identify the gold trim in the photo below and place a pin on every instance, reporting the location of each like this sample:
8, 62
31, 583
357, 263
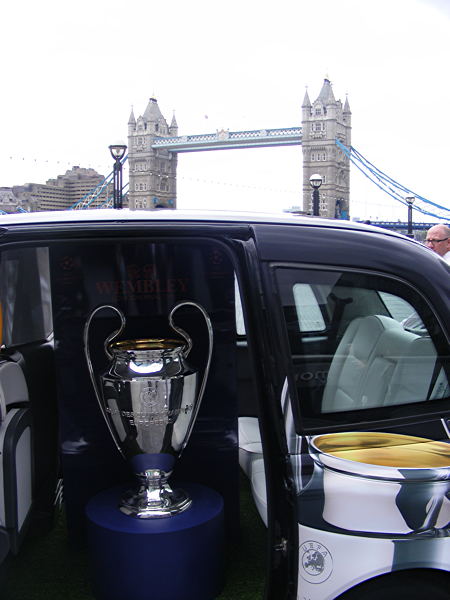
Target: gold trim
386, 449
146, 344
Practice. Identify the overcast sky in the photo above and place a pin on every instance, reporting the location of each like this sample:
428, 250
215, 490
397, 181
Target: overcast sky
72, 71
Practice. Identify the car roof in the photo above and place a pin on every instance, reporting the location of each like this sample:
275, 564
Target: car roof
110, 215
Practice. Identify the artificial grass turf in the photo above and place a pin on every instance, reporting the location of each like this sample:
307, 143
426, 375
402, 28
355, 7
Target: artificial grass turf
246, 561
47, 568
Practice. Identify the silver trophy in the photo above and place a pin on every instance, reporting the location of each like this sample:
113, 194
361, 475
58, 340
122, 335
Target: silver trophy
149, 397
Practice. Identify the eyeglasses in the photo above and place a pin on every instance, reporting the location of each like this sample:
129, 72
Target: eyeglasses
434, 241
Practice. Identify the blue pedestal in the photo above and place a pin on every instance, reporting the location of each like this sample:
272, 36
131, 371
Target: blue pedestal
173, 558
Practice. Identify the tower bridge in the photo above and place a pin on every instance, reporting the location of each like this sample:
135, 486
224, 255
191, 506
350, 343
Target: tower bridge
325, 137
154, 145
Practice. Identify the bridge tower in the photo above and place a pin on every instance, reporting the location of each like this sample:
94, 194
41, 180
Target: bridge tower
152, 171
323, 121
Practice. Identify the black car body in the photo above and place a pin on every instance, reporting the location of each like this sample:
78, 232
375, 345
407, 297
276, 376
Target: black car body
295, 373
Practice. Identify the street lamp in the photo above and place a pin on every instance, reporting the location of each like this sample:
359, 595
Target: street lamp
410, 201
117, 152
315, 181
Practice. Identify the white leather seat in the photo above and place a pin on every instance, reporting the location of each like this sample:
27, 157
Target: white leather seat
16, 466
378, 363
13, 387
411, 378
359, 373
252, 462
258, 485
250, 447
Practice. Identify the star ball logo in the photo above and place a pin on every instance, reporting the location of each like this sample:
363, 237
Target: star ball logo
67, 263
149, 398
316, 561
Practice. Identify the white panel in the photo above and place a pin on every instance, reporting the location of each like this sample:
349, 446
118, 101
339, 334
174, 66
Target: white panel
13, 387
24, 476
3, 428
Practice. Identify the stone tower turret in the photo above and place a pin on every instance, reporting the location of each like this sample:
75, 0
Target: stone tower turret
173, 129
152, 171
131, 123
324, 121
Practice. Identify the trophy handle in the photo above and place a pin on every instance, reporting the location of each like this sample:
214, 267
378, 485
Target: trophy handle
189, 348
87, 353
183, 333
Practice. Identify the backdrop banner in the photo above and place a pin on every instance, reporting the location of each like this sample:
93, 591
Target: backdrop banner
144, 280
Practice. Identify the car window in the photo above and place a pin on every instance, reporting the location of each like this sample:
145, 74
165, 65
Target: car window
309, 315
240, 327
25, 299
380, 345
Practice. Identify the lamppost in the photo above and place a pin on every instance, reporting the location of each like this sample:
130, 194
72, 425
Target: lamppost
117, 152
315, 181
410, 201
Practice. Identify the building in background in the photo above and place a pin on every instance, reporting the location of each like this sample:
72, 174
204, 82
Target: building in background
60, 193
152, 171
10, 203
324, 121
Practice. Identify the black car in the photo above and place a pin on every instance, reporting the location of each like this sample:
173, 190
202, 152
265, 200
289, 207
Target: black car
179, 345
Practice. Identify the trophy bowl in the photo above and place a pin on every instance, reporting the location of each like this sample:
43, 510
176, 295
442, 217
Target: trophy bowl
149, 397
399, 483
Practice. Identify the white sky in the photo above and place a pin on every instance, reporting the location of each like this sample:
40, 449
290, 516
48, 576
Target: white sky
72, 71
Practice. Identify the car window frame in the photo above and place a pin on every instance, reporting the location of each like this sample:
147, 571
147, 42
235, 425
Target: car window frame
374, 418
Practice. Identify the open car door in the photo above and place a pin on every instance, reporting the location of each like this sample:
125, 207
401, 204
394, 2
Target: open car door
361, 371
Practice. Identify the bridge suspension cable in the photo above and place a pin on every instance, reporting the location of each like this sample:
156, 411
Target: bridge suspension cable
109, 201
98, 198
94, 199
388, 185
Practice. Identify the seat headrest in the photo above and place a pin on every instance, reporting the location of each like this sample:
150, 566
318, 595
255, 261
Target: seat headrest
13, 387
364, 332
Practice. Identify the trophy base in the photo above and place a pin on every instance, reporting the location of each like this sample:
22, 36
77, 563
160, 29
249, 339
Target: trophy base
167, 503
156, 559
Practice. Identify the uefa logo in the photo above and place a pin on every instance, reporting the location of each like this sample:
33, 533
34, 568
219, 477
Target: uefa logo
316, 562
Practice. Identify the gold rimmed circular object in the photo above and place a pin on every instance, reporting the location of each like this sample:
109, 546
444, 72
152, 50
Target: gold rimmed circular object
146, 344
385, 449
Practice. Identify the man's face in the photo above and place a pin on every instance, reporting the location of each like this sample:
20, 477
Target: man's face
437, 239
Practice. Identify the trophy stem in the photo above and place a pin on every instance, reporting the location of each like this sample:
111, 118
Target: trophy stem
154, 497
